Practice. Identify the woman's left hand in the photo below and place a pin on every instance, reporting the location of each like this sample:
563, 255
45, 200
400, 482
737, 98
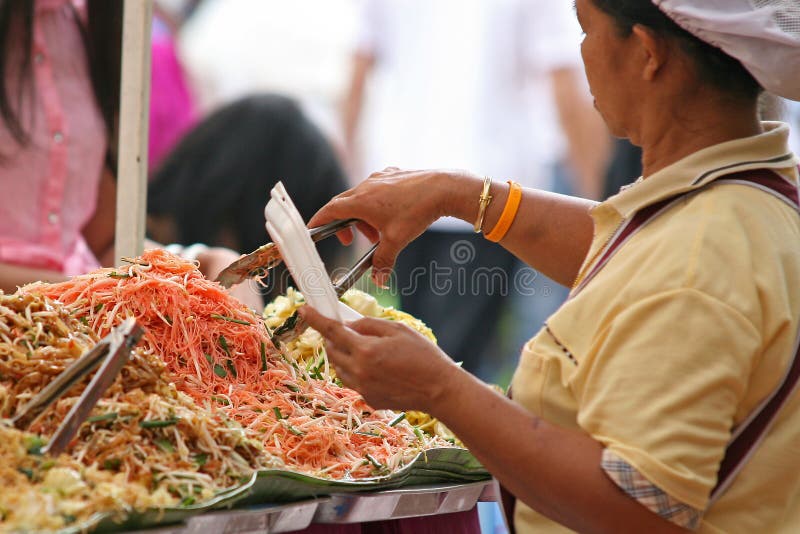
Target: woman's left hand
390, 364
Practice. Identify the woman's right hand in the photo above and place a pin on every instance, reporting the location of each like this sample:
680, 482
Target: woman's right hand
395, 206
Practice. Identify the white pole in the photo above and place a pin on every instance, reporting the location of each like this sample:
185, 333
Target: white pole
133, 125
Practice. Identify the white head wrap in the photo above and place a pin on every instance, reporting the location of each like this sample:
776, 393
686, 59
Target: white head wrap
764, 35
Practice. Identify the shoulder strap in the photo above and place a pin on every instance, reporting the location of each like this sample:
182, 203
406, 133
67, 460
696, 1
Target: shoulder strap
748, 435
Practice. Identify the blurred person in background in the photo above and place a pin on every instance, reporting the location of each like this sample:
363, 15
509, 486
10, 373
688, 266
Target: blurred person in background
494, 86
213, 186
59, 104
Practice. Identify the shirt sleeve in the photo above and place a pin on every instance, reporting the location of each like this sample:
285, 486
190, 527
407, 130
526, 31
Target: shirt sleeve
661, 386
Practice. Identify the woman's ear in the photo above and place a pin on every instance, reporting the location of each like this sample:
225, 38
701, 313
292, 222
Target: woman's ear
654, 50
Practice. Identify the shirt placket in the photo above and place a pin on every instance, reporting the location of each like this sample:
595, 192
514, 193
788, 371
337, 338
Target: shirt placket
53, 191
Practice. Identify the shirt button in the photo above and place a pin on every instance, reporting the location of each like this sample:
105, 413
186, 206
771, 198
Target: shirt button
58, 137
52, 217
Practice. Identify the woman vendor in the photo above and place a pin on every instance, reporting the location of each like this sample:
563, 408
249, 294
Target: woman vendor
683, 317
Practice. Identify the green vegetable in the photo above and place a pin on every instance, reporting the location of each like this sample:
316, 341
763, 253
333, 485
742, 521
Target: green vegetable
418, 433
294, 431
159, 423
201, 459
118, 275
397, 419
224, 344
229, 319
231, 368
219, 371
222, 400
165, 445
371, 434
112, 464
263, 357
277, 412
34, 444
188, 501
98, 307
110, 416
26, 471
374, 462
209, 358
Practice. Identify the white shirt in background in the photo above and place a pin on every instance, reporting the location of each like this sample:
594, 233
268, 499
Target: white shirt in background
465, 84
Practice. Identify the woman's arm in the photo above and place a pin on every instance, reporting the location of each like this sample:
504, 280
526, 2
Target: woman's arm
555, 471
551, 232
12, 276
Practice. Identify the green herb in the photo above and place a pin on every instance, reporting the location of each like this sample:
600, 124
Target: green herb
231, 368
115, 274
188, 501
219, 371
201, 459
84, 321
294, 431
371, 434
165, 445
397, 419
338, 382
98, 308
418, 433
222, 400
292, 387
159, 423
277, 412
374, 462
112, 464
26, 471
209, 358
224, 344
263, 357
229, 319
452, 441
168, 319
34, 444
69, 518
110, 416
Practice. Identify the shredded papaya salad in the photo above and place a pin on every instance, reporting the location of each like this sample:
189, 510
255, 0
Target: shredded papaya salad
145, 444
219, 353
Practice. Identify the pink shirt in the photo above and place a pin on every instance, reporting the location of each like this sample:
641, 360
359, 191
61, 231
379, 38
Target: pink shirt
48, 188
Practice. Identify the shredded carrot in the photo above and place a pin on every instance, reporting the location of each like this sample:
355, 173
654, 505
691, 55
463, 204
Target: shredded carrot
220, 353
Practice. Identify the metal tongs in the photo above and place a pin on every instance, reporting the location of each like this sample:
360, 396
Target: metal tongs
258, 262
113, 352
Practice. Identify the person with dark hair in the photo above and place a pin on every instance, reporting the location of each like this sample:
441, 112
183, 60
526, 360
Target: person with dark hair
59, 104
212, 186
661, 397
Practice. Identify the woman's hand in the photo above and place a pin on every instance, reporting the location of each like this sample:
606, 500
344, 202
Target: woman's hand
396, 207
390, 364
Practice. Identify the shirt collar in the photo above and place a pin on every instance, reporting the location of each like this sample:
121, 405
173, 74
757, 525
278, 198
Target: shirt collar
768, 150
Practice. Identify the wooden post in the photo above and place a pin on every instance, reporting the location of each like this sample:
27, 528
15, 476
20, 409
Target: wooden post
133, 125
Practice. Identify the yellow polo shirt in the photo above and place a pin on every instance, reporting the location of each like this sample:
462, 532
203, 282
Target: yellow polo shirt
680, 336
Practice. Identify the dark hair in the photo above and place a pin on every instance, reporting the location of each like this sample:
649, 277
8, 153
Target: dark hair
102, 36
713, 66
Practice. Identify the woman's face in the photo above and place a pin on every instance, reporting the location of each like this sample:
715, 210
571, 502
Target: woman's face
611, 77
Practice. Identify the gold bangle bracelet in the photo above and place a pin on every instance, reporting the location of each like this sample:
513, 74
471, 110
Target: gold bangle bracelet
483, 202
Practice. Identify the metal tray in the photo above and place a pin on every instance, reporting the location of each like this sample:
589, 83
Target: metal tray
400, 503
261, 519
339, 508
